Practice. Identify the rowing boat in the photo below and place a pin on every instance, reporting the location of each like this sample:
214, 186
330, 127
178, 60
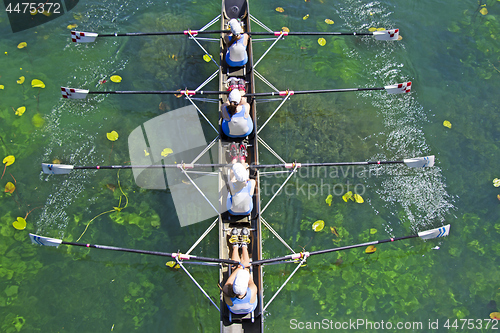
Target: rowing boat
254, 321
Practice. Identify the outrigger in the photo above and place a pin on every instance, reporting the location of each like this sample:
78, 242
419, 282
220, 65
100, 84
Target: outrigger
238, 9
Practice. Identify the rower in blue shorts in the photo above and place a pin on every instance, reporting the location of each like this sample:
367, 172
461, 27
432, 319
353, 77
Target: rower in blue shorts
237, 42
236, 120
241, 187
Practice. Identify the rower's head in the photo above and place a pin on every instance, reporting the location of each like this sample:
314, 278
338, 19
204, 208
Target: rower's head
235, 27
234, 99
241, 173
240, 284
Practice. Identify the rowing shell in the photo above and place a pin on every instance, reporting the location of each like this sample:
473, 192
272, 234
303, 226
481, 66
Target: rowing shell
251, 322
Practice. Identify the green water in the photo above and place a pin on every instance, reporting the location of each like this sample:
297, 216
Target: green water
449, 50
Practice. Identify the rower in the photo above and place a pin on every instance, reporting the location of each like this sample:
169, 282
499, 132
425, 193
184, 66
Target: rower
241, 188
240, 291
236, 55
236, 120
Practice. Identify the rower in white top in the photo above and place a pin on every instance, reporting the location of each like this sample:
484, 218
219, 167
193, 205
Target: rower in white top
237, 42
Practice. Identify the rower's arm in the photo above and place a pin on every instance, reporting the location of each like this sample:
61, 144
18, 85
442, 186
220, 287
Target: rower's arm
225, 115
230, 281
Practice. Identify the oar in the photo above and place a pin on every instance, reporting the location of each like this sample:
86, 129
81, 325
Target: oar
392, 34
428, 234
46, 241
89, 37
397, 88
62, 169
417, 162
74, 93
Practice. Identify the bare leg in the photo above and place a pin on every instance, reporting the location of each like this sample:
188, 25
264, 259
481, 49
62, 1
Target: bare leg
245, 259
235, 255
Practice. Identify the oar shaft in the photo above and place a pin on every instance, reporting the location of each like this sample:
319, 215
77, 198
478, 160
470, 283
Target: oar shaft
291, 165
295, 256
160, 92
164, 33
313, 33
361, 245
155, 253
302, 92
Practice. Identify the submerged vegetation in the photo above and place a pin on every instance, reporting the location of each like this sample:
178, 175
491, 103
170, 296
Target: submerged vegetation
73, 289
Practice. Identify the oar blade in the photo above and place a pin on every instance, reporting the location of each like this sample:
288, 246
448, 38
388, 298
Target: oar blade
73, 93
83, 37
399, 88
56, 169
420, 162
435, 233
45, 241
392, 34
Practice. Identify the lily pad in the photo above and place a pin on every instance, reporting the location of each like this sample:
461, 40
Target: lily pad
495, 315
173, 264
116, 78
370, 249
10, 188
35, 83
20, 111
112, 136
20, 224
318, 225
37, 120
207, 57
9, 160
329, 199
166, 152
347, 196
358, 198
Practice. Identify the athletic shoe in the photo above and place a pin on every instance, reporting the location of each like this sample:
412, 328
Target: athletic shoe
233, 150
234, 239
241, 85
232, 83
245, 237
243, 150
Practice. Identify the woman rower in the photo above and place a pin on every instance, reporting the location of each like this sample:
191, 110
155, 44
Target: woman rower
236, 55
240, 291
236, 120
241, 187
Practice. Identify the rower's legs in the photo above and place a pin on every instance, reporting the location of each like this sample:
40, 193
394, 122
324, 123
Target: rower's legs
236, 255
245, 258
